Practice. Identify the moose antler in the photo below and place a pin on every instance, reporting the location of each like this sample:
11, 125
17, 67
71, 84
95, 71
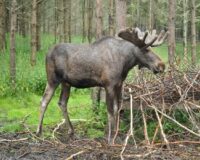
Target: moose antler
143, 39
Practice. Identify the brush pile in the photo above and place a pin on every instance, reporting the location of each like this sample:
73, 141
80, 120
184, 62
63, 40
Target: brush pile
170, 89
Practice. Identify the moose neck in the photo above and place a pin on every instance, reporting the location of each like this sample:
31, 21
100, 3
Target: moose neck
131, 60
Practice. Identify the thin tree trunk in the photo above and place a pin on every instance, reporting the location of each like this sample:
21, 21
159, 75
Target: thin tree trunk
44, 18
150, 15
138, 23
69, 20
111, 17
2, 26
171, 36
90, 17
12, 44
23, 21
121, 10
65, 20
185, 30
55, 20
193, 31
34, 33
83, 21
60, 20
99, 19
38, 31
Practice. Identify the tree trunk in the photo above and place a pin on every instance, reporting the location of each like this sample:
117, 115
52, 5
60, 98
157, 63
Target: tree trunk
12, 44
138, 23
185, 30
55, 20
69, 20
121, 10
2, 26
38, 31
99, 19
90, 17
193, 31
111, 17
7, 23
60, 20
34, 33
83, 21
44, 30
23, 21
64, 20
150, 15
171, 36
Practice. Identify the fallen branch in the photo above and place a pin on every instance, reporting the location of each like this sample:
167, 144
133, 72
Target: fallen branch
13, 140
75, 154
179, 124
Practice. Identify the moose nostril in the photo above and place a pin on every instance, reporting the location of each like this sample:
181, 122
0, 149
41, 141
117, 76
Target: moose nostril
161, 67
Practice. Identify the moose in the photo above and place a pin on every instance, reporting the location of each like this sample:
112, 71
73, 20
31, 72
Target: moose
104, 63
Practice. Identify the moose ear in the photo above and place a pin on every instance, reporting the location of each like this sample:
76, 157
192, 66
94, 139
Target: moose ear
126, 34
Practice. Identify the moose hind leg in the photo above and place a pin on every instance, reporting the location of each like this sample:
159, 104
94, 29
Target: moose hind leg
64, 96
49, 91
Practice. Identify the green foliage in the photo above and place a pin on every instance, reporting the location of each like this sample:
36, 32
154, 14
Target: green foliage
28, 78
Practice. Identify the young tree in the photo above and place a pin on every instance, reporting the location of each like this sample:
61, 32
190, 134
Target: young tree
111, 17
151, 15
34, 32
55, 20
12, 43
64, 20
67, 20
193, 30
121, 10
21, 18
138, 14
90, 4
60, 20
171, 36
99, 19
2, 26
69, 6
185, 30
38, 25
83, 20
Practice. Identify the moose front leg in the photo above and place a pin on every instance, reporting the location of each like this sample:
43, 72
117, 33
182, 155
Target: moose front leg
112, 108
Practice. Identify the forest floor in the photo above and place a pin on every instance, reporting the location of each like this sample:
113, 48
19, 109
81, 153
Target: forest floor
26, 146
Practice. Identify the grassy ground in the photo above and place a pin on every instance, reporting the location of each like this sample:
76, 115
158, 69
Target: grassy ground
23, 102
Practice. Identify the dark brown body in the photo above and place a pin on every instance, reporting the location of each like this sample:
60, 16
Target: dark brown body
104, 63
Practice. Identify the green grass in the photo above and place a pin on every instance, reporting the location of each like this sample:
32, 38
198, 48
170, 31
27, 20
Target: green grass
14, 110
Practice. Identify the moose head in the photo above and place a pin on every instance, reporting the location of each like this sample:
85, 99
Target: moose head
144, 41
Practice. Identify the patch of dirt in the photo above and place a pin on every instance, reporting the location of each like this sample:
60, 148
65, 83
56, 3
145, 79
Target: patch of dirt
25, 146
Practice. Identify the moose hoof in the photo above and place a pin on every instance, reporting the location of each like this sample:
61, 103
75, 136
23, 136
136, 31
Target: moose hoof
38, 133
71, 133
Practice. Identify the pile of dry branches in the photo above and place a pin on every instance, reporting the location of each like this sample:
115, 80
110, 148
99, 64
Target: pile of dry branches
170, 88
164, 94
